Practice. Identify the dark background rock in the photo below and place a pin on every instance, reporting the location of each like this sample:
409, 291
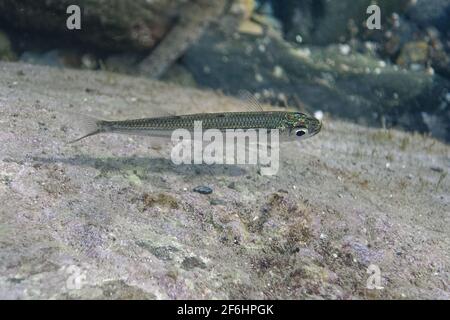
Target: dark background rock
323, 22
434, 13
112, 24
404, 23
194, 18
6, 52
344, 84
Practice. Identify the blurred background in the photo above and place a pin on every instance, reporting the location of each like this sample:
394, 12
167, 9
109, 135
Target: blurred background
310, 55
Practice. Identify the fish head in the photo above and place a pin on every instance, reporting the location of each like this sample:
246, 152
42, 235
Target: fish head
301, 126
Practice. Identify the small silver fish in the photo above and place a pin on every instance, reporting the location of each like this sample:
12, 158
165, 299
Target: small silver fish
290, 124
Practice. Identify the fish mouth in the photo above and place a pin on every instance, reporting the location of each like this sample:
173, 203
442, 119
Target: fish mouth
317, 127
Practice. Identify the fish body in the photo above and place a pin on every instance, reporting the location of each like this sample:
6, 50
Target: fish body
290, 124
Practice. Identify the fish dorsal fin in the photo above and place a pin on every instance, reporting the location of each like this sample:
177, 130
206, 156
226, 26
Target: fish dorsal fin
157, 113
251, 103
150, 112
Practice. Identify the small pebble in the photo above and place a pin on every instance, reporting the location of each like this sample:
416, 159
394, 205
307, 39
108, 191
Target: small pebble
318, 115
344, 49
217, 202
278, 72
203, 190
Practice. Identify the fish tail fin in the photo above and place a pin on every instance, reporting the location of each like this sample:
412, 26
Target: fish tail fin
88, 134
89, 126
86, 125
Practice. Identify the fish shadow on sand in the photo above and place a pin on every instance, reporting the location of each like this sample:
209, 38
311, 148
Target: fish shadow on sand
144, 165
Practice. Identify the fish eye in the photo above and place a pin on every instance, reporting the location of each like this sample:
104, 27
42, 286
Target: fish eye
300, 132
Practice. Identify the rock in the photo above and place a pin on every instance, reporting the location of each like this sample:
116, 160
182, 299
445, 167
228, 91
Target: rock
126, 63
75, 226
428, 13
89, 61
194, 18
324, 22
112, 25
203, 190
334, 80
410, 45
179, 75
190, 263
150, 200
439, 52
119, 290
217, 202
6, 51
158, 33
53, 58
413, 53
